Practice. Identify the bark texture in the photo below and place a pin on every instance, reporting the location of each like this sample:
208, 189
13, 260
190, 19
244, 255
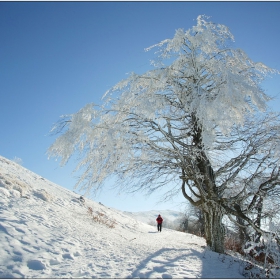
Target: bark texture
214, 229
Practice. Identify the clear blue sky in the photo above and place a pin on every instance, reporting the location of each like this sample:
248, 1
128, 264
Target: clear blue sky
55, 57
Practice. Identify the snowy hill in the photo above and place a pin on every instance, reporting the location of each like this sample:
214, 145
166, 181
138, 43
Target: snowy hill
45, 232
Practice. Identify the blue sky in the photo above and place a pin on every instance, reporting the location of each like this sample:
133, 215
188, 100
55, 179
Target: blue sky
55, 57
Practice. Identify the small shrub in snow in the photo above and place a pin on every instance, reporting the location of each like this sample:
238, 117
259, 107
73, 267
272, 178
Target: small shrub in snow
233, 244
101, 218
21, 188
18, 160
82, 200
90, 211
15, 187
42, 194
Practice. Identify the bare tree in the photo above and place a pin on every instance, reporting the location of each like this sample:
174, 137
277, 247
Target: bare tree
193, 123
192, 221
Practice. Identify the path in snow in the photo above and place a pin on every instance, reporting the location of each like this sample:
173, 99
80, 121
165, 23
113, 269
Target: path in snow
46, 233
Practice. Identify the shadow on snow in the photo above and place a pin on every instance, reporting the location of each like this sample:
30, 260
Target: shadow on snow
167, 258
187, 263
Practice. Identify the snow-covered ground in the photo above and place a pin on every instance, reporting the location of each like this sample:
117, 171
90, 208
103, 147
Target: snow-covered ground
45, 232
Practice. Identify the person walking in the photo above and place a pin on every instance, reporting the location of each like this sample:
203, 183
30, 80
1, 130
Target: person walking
159, 220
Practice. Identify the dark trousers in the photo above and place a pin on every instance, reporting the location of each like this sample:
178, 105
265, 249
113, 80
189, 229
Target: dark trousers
159, 227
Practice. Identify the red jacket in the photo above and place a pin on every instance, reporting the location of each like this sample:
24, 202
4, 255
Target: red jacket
159, 220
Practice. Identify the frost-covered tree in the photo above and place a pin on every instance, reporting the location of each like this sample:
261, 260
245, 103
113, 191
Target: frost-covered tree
191, 123
196, 220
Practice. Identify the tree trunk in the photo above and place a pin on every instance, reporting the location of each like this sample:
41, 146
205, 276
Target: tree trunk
201, 222
214, 229
242, 231
259, 208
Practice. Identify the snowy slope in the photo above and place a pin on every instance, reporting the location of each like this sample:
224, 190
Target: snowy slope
45, 232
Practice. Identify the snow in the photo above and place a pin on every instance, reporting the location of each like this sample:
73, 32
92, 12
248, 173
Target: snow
46, 232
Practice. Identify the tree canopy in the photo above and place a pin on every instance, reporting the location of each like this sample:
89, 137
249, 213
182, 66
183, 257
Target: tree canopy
198, 120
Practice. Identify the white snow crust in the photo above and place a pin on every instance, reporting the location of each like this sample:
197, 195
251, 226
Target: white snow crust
45, 232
